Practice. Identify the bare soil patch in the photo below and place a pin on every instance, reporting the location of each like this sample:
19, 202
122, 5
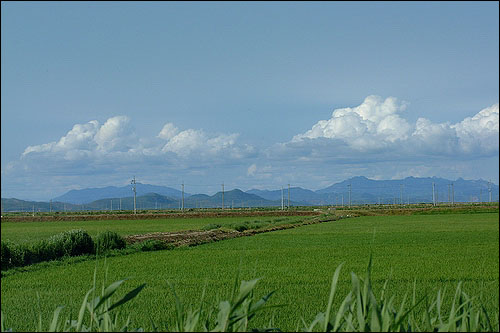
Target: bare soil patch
96, 217
196, 237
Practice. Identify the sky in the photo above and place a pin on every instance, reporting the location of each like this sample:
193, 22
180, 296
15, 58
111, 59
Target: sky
252, 95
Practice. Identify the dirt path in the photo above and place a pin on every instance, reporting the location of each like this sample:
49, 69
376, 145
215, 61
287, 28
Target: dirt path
147, 216
196, 237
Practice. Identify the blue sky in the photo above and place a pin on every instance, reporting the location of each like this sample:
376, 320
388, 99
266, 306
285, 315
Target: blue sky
255, 95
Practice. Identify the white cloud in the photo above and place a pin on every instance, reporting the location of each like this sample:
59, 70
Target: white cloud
479, 133
197, 144
114, 135
115, 142
372, 139
373, 124
251, 170
85, 139
376, 125
168, 131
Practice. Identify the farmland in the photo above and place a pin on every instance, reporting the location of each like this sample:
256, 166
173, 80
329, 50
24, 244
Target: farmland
435, 250
32, 231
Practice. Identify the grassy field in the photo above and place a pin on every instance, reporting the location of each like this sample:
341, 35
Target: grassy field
436, 250
20, 232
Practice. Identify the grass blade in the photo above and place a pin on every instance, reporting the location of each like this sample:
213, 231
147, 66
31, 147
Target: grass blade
330, 299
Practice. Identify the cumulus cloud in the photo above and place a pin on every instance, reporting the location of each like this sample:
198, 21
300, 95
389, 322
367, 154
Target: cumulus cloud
114, 135
376, 125
479, 132
116, 141
83, 140
192, 143
168, 131
371, 139
373, 124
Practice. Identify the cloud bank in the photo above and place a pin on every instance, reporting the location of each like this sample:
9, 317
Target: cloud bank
117, 138
377, 125
373, 139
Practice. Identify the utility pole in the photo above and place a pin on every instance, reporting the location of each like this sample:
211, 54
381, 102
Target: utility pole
50, 206
480, 195
111, 204
449, 185
401, 194
288, 196
282, 199
223, 196
489, 189
182, 195
452, 195
135, 192
349, 195
433, 194
120, 204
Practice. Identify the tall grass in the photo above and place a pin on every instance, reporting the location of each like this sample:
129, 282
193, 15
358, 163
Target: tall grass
361, 310
66, 244
108, 240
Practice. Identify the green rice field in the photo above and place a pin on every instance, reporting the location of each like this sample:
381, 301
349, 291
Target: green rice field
20, 232
436, 251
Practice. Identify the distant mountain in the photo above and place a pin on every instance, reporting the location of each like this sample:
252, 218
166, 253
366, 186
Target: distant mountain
361, 190
17, 205
91, 194
147, 201
235, 198
303, 196
411, 189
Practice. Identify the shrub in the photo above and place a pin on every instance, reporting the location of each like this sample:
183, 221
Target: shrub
152, 245
72, 243
108, 240
69, 243
211, 226
18, 255
43, 250
6, 255
249, 225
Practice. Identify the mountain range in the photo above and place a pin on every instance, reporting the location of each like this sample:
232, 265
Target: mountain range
91, 194
359, 190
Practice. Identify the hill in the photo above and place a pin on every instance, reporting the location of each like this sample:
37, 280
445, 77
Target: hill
361, 190
88, 195
411, 189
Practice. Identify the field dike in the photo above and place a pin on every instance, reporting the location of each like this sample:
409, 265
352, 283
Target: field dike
197, 237
148, 216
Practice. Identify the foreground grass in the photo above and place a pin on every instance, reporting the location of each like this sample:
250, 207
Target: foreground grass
437, 251
25, 232
361, 310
